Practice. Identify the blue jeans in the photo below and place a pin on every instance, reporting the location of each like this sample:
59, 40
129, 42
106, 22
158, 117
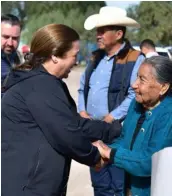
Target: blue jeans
109, 181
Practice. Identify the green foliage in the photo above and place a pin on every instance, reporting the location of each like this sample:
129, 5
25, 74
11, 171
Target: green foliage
8, 6
25, 10
154, 17
35, 14
155, 20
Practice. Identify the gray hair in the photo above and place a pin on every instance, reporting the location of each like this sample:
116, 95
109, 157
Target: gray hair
162, 69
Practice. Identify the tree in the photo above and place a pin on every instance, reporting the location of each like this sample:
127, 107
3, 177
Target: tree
37, 14
155, 20
25, 10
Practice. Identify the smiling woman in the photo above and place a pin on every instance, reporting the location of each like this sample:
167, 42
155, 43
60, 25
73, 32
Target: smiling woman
41, 129
53, 47
147, 128
64, 64
149, 90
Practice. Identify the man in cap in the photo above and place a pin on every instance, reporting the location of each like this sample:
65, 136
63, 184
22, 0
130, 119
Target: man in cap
105, 91
10, 37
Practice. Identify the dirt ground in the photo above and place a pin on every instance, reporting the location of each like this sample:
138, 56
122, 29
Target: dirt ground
79, 181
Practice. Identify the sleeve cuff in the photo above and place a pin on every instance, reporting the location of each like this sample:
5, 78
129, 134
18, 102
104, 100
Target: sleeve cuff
97, 159
112, 156
116, 114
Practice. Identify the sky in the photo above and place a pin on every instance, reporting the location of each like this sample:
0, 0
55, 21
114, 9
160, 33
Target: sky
122, 4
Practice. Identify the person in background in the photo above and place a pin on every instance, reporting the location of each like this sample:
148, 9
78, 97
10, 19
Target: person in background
105, 91
147, 47
41, 129
24, 50
10, 37
147, 127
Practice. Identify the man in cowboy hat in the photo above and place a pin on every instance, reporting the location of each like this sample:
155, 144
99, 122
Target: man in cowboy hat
105, 88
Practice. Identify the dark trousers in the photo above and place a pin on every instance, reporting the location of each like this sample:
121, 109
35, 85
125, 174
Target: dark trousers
109, 181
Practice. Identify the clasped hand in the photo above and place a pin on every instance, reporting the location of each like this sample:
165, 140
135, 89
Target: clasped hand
104, 152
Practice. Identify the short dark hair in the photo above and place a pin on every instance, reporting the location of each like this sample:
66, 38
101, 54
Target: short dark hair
148, 43
11, 19
122, 28
117, 28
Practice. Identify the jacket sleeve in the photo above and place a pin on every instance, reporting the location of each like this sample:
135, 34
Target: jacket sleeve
139, 163
67, 133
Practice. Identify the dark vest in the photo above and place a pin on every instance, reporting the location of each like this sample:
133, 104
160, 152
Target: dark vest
122, 68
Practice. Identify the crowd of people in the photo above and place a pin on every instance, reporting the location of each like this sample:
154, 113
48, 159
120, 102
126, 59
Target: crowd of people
124, 108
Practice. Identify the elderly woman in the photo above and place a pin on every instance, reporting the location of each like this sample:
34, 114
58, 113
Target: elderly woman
41, 130
147, 128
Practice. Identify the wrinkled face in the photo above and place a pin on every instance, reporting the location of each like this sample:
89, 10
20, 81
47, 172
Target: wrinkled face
69, 60
107, 37
146, 87
10, 36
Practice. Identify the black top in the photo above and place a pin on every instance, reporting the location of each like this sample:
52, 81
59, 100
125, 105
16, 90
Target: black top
42, 132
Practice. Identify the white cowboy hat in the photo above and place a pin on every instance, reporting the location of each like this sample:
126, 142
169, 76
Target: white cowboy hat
110, 16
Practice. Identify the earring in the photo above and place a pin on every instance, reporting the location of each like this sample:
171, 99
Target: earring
54, 59
161, 95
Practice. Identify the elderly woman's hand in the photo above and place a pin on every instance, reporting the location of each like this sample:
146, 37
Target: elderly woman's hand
103, 149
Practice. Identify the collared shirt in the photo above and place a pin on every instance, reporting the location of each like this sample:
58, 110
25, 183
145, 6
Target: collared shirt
150, 54
97, 104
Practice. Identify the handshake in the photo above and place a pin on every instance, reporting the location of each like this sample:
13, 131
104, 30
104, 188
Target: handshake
104, 151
